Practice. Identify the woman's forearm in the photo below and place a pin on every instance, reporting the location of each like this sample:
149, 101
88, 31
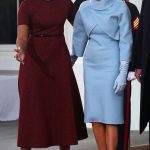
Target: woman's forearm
22, 37
21, 43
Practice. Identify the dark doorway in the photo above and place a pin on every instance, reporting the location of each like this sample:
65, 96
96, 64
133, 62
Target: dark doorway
8, 21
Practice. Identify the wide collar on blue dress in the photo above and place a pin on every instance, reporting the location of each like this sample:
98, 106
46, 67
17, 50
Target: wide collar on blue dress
101, 4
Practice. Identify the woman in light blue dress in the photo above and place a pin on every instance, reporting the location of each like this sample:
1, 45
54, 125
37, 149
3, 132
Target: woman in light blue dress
103, 36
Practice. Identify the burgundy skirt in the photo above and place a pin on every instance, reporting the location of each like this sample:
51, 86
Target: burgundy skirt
50, 106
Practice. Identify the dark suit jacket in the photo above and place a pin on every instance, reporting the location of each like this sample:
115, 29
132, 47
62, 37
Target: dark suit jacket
143, 62
134, 21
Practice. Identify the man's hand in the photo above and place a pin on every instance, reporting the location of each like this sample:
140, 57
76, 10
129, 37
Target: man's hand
138, 74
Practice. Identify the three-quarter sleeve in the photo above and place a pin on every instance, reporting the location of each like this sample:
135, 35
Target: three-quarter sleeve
126, 39
23, 13
80, 37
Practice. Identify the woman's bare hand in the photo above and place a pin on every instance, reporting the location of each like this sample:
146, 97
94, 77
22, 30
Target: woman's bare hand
20, 55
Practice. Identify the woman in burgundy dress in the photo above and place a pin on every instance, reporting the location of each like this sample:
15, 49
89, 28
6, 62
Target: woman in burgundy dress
50, 106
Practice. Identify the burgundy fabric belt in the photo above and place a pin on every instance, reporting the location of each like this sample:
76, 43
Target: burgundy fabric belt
45, 35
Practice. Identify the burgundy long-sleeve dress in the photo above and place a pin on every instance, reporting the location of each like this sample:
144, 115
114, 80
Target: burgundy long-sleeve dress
50, 106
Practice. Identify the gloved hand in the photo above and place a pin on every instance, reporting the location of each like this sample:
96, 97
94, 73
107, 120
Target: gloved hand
121, 80
73, 59
131, 76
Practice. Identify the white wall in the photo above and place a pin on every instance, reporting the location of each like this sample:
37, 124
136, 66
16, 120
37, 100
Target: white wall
138, 3
7, 62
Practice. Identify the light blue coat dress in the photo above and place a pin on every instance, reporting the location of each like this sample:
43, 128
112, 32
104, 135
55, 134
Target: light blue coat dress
103, 36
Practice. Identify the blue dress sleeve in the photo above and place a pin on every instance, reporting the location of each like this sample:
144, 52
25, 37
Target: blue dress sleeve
126, 39
80, 37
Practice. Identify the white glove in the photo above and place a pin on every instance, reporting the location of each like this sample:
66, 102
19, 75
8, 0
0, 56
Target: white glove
131, 76
120, 82
73, 59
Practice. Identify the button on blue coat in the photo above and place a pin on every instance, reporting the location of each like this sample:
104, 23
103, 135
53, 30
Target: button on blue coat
103, 36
